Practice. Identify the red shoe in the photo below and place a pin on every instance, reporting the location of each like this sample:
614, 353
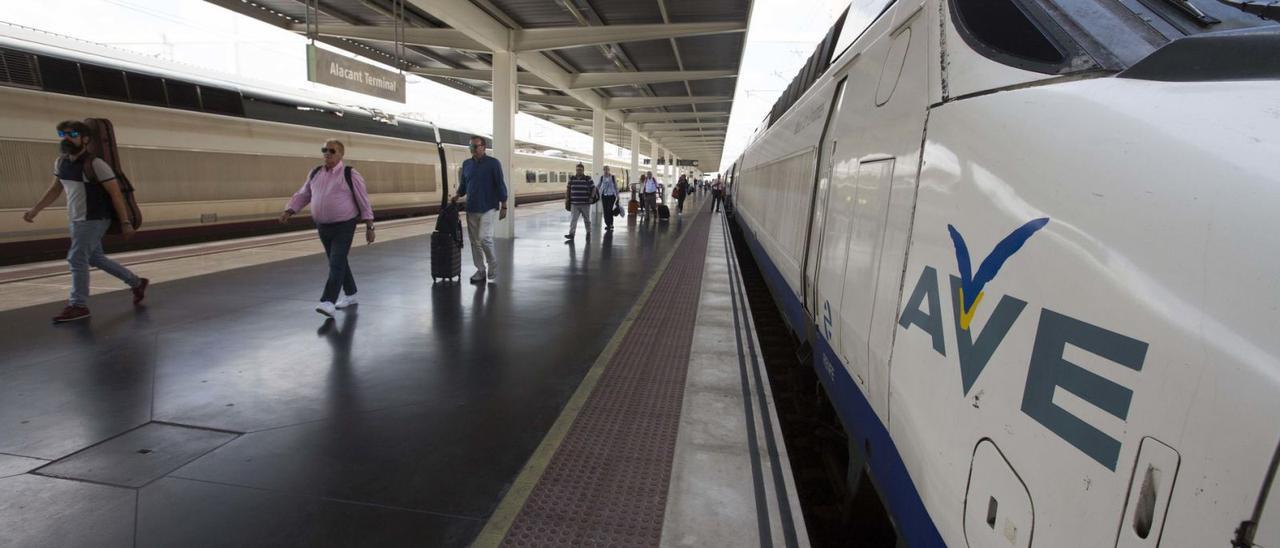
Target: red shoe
140, 292
71, 314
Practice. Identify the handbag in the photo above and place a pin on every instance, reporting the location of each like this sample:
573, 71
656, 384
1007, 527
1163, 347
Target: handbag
617, 208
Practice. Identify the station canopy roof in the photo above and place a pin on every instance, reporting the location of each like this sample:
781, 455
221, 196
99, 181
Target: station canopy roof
667, 68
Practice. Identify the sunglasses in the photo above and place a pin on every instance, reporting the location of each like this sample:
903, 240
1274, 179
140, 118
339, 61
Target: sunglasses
475, 146
328, 151
64, 134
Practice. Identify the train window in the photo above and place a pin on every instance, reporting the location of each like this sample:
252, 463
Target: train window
182, 95
18, 68
857, 20
61, 76
221, 101
1009, 31
530, 176
104, 82
542, 176
145, 89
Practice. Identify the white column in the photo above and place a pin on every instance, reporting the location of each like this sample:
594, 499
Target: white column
653, 159
597, 157
504, 142
668, 169
597, 143
635, 158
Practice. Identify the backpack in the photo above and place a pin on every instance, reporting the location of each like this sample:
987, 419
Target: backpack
346, 172
103, 145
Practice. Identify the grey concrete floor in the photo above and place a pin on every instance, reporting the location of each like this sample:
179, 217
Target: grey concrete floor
226, 412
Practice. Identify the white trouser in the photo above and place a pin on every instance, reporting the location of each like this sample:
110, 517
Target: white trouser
480, 230
580, 210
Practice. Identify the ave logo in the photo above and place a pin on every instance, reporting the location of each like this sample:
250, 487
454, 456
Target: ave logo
1047, 369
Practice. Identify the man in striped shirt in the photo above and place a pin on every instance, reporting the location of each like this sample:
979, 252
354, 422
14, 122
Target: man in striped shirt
579, 192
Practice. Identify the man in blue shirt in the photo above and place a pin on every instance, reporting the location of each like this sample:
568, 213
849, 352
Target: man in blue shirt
486, 191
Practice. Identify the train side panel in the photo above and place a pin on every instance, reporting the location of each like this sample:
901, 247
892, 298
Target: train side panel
863, 203
1127, 341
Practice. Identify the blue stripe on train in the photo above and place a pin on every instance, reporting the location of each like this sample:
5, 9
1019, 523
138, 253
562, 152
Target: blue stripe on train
910, 517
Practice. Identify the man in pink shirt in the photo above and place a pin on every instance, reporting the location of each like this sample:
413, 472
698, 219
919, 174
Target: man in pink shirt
339, 200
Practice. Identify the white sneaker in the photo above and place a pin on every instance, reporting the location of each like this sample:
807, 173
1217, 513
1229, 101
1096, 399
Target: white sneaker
477, 277
345, 301
325, 308
493, 275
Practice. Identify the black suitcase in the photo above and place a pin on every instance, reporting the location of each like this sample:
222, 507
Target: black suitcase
664, 212
446, 240
446, 255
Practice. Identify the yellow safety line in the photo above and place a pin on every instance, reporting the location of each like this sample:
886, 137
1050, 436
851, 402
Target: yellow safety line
499, 523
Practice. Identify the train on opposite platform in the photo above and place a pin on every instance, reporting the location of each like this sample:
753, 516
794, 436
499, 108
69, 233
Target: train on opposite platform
211, 159
1029, 249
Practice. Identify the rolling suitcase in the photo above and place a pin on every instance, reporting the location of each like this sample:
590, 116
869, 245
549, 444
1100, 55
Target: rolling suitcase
446, 240
633, 206
446, 250
664, 212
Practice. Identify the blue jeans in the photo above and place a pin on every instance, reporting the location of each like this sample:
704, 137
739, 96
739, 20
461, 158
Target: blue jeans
336, 238
86, 251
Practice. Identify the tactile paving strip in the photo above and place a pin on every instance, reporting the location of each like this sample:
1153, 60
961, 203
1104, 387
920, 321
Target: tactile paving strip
607, 483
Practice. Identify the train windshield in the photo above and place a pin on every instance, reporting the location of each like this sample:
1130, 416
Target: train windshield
1065, 36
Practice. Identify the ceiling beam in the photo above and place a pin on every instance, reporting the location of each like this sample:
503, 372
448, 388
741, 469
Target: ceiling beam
588, 80
557, 100
650, 102
521, 40
660, 135
717, 124
673, 144
572, 37
524, 78
439, 38
465, 16
579, 115
639, 117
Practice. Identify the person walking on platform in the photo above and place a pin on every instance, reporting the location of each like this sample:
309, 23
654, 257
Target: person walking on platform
680, 193
93, 199
650, 193
608, 190
339, 201
717, 195
486, 191
579, 193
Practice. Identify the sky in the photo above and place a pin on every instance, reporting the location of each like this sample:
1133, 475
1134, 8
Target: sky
213, 39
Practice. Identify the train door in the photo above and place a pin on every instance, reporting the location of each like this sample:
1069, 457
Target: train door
871, 188
818, 204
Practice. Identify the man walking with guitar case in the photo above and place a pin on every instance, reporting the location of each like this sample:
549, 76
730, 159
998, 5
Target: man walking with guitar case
95, 204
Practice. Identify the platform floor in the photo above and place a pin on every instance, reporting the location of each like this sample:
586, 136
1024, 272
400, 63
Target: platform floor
226, 412
400, 422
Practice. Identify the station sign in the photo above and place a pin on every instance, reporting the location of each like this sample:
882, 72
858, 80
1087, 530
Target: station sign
331, 69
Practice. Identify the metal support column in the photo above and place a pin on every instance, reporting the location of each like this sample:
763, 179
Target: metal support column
597, 157
669, 168
653, 159
504, 143
635, 158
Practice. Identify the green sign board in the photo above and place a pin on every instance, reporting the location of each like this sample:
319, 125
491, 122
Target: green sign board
331, 69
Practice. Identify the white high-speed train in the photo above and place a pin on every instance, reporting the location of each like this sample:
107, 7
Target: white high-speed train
1032, 246
210, 158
